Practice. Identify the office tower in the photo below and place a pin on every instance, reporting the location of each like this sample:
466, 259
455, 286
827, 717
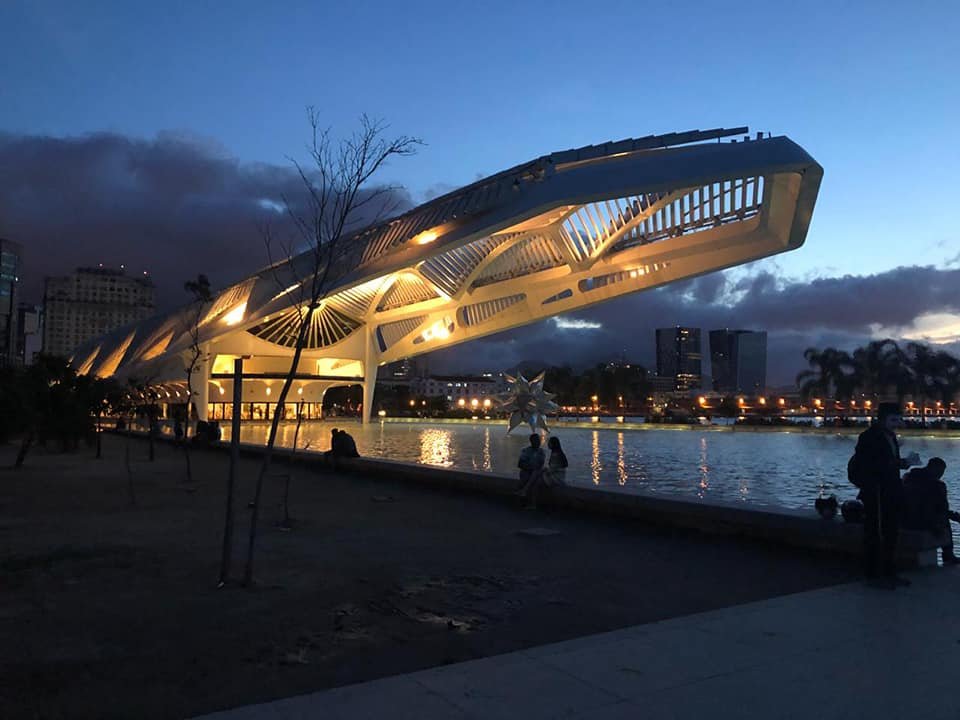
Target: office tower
679, 357
738, 360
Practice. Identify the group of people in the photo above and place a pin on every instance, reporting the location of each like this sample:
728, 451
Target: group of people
917, 501
537, 471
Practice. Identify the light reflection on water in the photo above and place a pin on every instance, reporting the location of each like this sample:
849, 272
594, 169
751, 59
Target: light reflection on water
621, 462
768, 468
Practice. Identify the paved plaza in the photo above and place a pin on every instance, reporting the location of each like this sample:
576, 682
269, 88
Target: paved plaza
847, 651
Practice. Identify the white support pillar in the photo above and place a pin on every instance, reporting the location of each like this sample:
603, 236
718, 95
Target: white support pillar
370, 366
201, 384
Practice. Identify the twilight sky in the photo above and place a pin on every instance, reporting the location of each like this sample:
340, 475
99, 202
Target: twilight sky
149, 134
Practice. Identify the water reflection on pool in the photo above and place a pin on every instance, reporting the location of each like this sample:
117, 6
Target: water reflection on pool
765, 468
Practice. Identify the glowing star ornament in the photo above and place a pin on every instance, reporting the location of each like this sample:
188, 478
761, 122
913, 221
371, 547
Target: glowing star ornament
527, 403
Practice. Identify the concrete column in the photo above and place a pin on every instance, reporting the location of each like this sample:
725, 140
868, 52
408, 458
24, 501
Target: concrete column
370, 366
201, 384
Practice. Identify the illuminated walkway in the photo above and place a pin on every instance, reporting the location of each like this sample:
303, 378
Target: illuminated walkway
841, 652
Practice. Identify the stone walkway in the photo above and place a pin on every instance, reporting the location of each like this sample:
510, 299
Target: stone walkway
842, 652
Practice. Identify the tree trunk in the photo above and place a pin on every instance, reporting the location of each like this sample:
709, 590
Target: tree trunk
186, 424
227, 552
271, 440
126, 462
287, 520
151, 429
25, 446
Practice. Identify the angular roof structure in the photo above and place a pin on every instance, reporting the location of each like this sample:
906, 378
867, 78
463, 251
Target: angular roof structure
559, 233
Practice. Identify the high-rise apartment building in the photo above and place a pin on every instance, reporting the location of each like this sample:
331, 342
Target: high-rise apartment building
679, 357
738, 360
91, 302
11, 255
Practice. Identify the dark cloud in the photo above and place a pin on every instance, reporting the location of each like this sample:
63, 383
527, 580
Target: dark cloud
174, 206
841, 312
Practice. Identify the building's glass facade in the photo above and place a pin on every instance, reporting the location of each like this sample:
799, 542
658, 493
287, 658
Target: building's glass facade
679, 356
738, 360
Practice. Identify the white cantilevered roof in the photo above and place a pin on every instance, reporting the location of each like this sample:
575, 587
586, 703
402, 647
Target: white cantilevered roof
560, 232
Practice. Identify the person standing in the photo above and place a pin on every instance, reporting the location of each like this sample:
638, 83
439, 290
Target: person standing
881, 492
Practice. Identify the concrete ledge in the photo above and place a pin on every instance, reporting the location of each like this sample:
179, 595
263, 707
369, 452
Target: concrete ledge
796, 528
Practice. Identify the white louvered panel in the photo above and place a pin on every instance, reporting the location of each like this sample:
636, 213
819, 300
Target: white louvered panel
84, 367
406, 290
327, 327
702, 208
633, 275
479, 312
356, 301
228, 299
449, 270
526, 257
389, 334
110, 364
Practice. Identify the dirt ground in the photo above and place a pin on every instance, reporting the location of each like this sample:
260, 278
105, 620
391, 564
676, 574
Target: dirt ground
109, 610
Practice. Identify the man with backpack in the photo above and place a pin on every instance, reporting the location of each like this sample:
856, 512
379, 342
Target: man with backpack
875, 469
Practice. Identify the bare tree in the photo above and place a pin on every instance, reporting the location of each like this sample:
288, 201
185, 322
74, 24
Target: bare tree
199, 290
339, 195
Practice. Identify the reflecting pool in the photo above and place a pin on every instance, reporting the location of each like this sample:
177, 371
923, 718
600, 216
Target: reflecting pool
787, 468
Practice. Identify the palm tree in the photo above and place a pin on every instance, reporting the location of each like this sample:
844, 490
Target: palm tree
930, 375
946, 377
923, 368
831, 373
950, 389
876, 367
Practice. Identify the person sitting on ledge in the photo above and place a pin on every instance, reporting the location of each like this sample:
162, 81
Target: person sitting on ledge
347, 445
556, 473
926, 506
532, 459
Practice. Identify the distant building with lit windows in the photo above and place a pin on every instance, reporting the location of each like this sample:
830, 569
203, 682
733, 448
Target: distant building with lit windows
456, 387
679, 357
91, 302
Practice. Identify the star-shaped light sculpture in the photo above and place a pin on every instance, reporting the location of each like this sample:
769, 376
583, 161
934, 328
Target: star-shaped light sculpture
527, 403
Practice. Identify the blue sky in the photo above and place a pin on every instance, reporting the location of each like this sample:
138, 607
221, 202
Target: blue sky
870, 89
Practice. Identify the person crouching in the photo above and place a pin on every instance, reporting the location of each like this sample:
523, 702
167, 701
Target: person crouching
927, 508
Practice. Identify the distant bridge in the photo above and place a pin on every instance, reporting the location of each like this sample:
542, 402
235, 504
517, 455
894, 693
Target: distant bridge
560, 233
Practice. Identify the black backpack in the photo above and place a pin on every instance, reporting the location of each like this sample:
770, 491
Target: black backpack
855, 471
